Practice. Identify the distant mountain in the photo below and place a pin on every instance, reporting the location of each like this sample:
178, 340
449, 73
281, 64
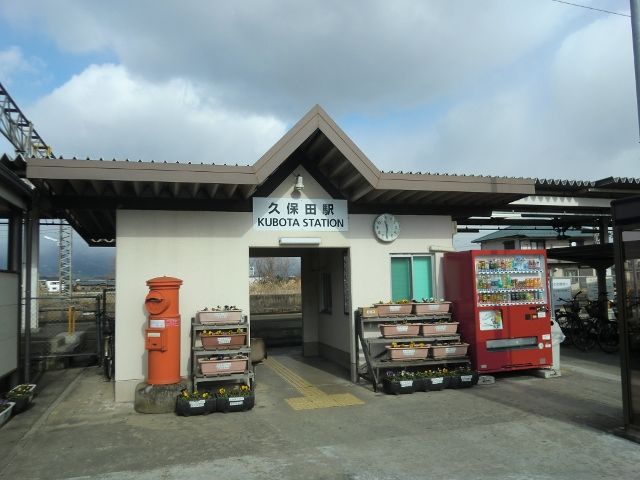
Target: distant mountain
86, 262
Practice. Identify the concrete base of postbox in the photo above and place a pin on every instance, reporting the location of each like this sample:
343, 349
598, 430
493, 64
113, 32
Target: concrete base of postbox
157, 398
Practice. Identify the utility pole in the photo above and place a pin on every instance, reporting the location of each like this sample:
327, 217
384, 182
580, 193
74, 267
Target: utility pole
635, 34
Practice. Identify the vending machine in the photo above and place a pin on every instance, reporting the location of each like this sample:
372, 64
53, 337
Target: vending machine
501, 299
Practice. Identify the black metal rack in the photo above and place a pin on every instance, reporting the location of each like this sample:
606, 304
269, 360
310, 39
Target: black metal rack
197, 350
376, 362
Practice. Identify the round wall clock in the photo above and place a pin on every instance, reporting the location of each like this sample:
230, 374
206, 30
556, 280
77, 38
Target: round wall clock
386, 227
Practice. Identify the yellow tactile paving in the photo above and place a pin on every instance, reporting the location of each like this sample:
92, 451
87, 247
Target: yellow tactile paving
312, 397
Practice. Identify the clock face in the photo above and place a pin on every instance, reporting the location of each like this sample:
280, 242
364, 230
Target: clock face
386, 227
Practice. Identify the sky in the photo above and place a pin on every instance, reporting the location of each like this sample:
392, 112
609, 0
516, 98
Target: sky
521, 88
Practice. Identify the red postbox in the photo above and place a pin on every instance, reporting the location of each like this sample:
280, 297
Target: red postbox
162, 336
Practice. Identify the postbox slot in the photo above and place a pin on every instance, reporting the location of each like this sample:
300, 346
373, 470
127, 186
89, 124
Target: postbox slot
155, 339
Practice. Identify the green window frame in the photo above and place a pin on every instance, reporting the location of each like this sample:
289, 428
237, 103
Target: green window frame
411, 277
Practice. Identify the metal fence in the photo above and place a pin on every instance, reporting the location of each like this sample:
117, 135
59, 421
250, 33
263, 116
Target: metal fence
67, 329
275, 303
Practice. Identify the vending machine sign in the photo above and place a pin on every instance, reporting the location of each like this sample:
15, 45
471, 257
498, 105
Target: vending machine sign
490, 320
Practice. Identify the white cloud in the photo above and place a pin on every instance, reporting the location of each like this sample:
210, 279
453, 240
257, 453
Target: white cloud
527, 88
284, 56
13, 63
107, 112
576, 119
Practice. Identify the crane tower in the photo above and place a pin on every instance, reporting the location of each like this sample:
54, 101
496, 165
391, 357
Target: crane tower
15, 126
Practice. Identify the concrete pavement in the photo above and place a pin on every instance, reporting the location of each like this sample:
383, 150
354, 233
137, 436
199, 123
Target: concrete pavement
521, 427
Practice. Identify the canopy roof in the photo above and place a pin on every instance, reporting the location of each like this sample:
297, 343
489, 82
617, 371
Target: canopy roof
88, 192
595, 256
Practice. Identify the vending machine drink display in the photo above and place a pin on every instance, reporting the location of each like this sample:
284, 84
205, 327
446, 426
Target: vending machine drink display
501, 299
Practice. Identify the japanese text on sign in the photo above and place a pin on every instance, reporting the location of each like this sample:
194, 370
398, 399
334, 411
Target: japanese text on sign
311, 215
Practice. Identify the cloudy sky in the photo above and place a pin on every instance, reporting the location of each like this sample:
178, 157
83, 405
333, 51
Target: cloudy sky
534, 88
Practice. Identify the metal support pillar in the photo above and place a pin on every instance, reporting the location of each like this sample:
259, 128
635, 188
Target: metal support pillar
31, 220
14, 244
601, 272
635, 35
30, 285
14, 264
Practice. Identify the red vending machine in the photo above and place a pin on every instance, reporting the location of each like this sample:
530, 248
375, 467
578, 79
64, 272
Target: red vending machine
501, 299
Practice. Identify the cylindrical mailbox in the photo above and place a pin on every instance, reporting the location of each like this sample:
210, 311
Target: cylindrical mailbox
162, 336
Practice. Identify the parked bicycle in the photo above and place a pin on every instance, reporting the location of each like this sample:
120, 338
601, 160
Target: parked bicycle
108, 345
607, 335
108, 336
593, 328
568, 318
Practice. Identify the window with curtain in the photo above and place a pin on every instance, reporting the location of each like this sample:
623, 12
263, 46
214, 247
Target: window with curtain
411, 277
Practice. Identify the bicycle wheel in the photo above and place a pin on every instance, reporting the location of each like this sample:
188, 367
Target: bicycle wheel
108, 362
608, 337
583, 336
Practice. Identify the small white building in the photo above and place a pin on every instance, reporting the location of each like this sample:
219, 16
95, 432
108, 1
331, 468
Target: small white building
52, 286
313, 195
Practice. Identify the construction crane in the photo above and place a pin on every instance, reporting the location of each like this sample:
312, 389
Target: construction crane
15, 126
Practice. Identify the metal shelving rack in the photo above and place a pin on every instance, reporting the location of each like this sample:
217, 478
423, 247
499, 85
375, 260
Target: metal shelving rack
198, 351
376, 363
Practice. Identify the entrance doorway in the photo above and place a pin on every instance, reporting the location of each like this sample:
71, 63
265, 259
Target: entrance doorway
275, 300
322, 326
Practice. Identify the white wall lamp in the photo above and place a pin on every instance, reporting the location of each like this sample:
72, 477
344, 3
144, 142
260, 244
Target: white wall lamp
300, 240
299, 184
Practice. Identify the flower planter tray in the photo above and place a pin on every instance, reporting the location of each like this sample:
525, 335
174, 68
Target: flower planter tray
220, 318
398, 387
442, 328
187, 408
446, 351
399, 330
368, 312
408, 353
23, 401
425, 308
432, 384
216, 342
393, 309
235, 404
6, 414
216, 368
463, 380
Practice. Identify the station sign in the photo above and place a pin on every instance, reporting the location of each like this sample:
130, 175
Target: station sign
300, 214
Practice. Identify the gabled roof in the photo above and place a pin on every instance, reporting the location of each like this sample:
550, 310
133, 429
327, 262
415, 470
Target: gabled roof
532, 233
88, 192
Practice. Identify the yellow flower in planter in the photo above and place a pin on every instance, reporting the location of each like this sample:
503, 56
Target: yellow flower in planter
195, 395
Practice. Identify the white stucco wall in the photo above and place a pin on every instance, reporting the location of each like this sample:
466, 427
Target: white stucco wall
209, 251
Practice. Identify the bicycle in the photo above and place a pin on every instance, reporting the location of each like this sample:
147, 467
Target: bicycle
596, 329
608, 337
108, 348
568, 318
